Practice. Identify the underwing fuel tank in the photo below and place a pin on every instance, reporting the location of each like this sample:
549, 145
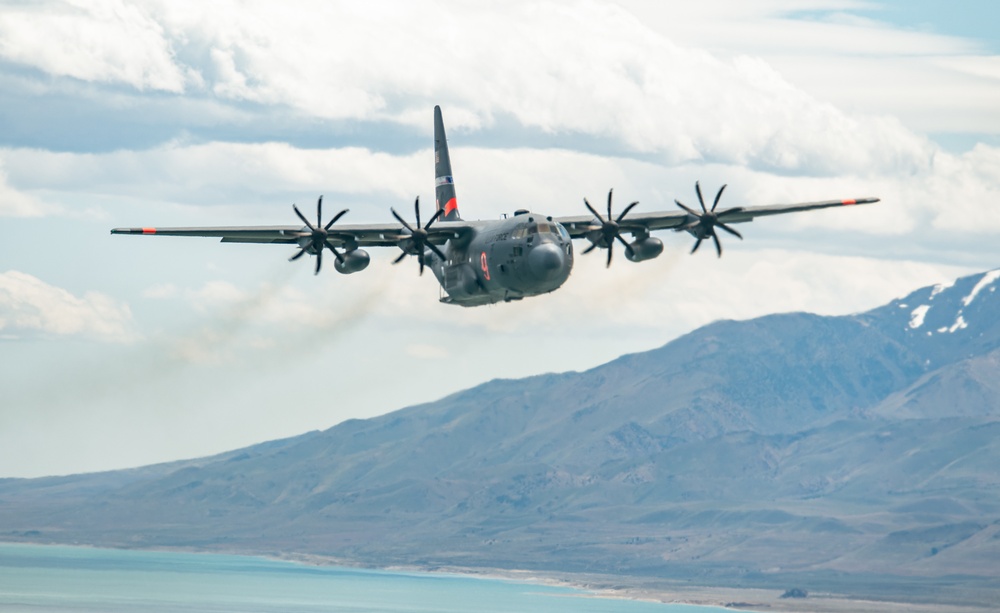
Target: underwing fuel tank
645, 249
354, 261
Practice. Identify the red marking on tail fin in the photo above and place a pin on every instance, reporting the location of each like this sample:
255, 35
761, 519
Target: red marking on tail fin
149, 230
847, 202
452, 205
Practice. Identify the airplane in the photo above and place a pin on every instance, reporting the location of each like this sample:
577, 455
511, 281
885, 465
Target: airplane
489, 261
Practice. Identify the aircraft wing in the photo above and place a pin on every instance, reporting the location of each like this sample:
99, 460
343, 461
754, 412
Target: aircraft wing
743, 214
361, 235
581, 225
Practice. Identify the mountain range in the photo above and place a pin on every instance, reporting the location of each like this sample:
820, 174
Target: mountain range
854, 454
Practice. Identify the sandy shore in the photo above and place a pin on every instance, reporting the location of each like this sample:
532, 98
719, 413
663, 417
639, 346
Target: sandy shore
737, 599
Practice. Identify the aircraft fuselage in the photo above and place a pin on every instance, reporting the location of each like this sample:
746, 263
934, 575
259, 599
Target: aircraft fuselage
509, 259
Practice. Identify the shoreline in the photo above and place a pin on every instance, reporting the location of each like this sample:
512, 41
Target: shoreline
617, 587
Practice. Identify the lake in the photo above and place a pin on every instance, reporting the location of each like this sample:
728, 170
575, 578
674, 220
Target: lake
41, 579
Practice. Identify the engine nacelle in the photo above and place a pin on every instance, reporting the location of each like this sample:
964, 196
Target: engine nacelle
354, 261
645, 249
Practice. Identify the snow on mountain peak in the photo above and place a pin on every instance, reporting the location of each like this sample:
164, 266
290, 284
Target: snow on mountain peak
987, 279
917, 316
940, 287
959, 324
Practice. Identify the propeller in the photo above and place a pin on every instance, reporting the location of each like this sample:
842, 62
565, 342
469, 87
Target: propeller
414, 243
319, 237
610, 228
705, 222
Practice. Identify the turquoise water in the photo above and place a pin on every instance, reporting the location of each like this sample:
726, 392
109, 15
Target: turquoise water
40, 579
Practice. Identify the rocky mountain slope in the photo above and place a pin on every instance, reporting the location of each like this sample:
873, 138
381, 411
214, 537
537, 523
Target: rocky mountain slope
789, 448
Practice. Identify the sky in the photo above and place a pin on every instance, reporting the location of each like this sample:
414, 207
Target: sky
120, 351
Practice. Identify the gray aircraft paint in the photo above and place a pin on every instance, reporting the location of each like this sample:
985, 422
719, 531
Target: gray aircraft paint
525, 255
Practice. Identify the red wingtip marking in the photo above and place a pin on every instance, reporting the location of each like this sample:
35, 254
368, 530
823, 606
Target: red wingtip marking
847, 202
149, 230
451, 206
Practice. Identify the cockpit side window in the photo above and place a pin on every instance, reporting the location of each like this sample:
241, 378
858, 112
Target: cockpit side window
520, 232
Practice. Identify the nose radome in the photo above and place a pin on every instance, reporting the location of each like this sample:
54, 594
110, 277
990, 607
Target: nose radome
546, 259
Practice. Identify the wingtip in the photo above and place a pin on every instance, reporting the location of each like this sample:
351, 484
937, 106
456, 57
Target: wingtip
853, 201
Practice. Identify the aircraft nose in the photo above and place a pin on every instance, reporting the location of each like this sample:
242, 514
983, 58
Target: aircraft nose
546, 260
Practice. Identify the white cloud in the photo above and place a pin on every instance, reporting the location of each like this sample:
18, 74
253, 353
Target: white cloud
160, 291
15, 203
987, 67
954, 193
932, 82
780, 25
31, 307
109, 41
575, 68
200, 173
966, 190
423, 351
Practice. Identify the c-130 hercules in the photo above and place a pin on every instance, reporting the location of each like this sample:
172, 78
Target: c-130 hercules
489, 261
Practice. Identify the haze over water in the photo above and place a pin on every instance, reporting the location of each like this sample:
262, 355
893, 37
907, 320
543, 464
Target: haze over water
61, 579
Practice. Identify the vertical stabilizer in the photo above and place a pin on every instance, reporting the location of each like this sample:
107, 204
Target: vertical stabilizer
445, 191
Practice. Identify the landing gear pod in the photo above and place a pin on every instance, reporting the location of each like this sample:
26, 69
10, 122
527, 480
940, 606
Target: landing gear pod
354, 261
645, 249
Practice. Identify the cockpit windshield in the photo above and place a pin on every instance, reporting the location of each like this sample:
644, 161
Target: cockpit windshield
542, 227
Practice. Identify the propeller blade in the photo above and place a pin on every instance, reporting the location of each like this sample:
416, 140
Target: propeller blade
706, 222
420, 258
628, 248
625, 212
717, 196
401, 220
609, 228
416, 209
437, 251
596, 214
319, 261
303, 218
302, 252
335, 218
730, 230
319, 212
336, 253
401, 257
686, 209
436, 216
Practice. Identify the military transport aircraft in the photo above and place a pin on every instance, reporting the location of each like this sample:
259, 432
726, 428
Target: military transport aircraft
483, 262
